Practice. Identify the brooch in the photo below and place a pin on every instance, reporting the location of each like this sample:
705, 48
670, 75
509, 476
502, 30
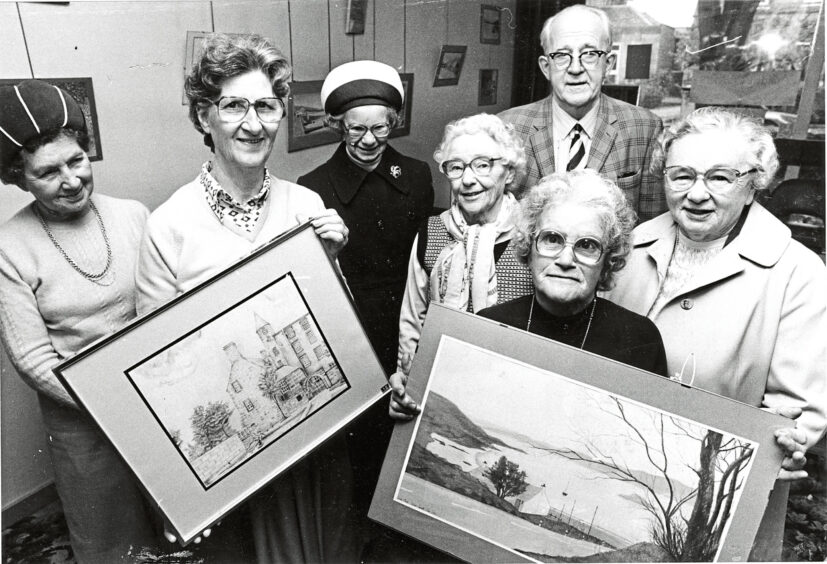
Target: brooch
396, 171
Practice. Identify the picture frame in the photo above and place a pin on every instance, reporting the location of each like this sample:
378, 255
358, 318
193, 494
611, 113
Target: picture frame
83, 92
355, 17
218, 392
529, 450
490, 24
449, 67
306, 117
488, 87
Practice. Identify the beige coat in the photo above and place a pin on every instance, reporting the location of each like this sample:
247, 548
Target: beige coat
754, 319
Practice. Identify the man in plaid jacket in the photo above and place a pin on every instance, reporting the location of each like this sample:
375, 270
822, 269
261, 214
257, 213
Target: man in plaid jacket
577, 126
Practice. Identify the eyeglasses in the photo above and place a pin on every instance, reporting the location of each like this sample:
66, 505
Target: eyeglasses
232, 109
588, 59
586, 250
481, 166
356, 132
718, 180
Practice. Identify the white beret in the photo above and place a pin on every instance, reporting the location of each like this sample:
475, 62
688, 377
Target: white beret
361, 83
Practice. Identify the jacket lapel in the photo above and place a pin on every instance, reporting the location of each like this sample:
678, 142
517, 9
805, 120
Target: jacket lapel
604, 136
344, 176
392, 169
541, 140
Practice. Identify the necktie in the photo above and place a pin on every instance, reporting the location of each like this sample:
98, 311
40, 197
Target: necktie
577, 150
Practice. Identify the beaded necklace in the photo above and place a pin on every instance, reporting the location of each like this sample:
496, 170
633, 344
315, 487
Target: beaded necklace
94, 277
588, 326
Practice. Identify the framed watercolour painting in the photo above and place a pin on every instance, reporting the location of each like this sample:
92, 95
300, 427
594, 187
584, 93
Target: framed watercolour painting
490, 24
216, 393
306, 116
528, 450
82, 91
451, 58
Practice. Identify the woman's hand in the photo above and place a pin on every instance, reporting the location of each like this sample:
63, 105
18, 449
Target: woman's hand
197, 540
402, 406
331, 229
793, 442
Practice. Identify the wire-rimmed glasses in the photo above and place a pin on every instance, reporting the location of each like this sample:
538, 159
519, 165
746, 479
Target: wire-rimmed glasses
356, 132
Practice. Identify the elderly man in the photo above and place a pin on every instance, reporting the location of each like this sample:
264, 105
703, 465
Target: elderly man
578, 127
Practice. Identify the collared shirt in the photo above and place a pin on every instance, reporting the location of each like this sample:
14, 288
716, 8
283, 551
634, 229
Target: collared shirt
244, 215
562, 124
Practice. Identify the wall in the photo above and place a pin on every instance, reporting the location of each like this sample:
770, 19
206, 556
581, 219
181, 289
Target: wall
134, 52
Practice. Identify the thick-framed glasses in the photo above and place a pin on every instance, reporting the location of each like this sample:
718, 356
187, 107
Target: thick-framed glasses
550, 244
356, 132
481, 166
232, 109
718, 180
588, 59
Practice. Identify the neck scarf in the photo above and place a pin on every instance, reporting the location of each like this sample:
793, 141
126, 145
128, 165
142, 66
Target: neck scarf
464, 275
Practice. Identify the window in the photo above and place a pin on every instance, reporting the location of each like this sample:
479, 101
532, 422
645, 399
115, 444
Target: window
236, 386
249, 405
638, 59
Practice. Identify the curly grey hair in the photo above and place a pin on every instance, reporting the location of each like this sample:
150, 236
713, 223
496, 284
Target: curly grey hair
588, 188
336, 122
756, 138
502, 133
227, 56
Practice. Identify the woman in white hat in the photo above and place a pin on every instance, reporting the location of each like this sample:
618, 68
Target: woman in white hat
383, 197
66, 279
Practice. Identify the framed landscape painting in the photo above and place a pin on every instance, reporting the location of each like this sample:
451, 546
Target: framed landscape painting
528, 450
222, 389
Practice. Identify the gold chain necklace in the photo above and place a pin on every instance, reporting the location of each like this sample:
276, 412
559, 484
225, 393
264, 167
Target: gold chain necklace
88, 275
589, 326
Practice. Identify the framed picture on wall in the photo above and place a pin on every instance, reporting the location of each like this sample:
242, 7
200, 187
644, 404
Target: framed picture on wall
528, 450
490, 22
355, 17
219, 391
488, 87
306, 116
449, 67
82, 91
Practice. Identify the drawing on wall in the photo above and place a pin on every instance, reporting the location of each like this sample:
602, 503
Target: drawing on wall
488, 87
490, 22
355, 17
84, 94
306, 116
450, 65
233, 386
524, 473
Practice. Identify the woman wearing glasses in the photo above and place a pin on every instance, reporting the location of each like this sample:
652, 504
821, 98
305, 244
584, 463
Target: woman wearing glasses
463, 257
740, 304
574, 232
234, 205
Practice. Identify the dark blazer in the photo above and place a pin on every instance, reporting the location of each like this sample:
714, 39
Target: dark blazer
621, 149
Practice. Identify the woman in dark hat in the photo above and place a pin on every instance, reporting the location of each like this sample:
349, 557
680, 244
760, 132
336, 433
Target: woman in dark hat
66, 279
383, 197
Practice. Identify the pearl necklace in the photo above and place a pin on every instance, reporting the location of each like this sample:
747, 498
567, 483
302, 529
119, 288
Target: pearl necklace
94, 277
588, 326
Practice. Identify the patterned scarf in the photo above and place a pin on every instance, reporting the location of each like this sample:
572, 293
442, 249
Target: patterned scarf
464, 275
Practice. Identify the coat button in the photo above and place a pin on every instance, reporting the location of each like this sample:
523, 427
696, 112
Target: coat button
687, 303
411, 215
380, 224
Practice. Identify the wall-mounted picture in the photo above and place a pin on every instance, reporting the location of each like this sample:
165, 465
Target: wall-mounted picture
355, 17
230, 388
488, 87
527, 450
82, 91
490, 24
219, 391
451, 58
306, 117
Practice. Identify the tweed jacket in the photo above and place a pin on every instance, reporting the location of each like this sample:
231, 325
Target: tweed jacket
621, 149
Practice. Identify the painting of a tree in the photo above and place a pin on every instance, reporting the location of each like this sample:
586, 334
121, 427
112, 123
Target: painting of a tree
507, 478
718, 468
211, 424
269, 386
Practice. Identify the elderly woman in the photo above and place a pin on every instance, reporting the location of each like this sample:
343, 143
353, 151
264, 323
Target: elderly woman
66, 264
383, 196
462, 258
574, 232
740, 304
234, 205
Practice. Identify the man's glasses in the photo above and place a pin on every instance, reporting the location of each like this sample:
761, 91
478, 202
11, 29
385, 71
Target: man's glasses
588, 59
586, 250
718, 180
481, 166
232, 109
356, 132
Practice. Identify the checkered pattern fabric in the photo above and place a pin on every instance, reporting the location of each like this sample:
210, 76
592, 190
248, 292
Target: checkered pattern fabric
243, 215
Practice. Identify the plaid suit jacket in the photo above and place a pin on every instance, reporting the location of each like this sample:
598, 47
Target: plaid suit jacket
621, 149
